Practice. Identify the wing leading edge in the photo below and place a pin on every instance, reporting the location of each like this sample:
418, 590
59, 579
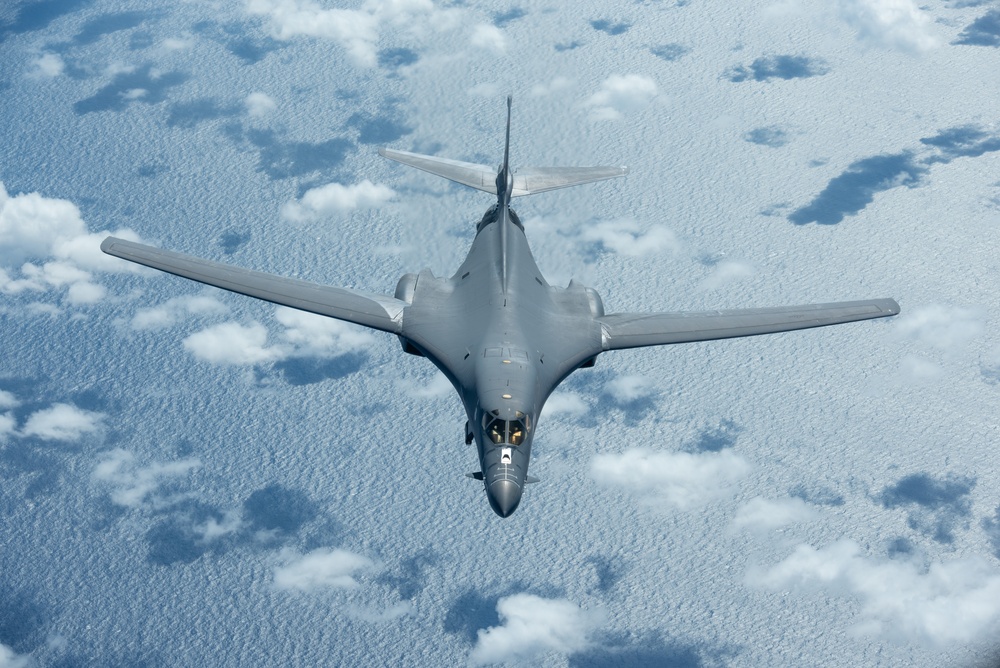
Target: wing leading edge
634, 330
371, 310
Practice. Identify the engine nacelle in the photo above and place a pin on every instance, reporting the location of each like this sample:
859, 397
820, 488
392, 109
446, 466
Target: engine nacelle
596, 304
406, 287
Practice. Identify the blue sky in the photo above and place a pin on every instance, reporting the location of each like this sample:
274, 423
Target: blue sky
193, 477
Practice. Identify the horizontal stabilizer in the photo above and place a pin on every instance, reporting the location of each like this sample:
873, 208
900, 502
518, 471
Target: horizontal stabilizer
469, 174
531, 180
527, 181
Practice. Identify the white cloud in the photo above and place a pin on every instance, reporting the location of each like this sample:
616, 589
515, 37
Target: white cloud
556, 85
671, 479
620, 95
488, 37
7, 424
957, 602
943, 327
174, 310
626, 238
533, 626
488, 91
48, 65
311, 335
568, 403
232, 521
44, 244
626, 389
10, 659
438, 387
135, 484
726, 272
62, 422
895, 24
231, 343
304, 335
380, 616
760, 514
259, 104
8, 400
172, 44
335, 199
356, 30
322, 567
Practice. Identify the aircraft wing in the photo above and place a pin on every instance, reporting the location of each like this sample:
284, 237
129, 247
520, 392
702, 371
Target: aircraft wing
633, 330
371, 310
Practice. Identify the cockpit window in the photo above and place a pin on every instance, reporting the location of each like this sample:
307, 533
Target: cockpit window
502, 431
515, 432
496, 431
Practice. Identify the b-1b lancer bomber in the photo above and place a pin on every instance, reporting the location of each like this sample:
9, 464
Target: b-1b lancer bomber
502, 335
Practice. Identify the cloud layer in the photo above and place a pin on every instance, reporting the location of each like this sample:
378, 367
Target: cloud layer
676, 480
44, 245
532, 626
320, 568
953, 602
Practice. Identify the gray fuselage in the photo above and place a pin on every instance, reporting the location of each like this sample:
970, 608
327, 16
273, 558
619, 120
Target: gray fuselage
505, 339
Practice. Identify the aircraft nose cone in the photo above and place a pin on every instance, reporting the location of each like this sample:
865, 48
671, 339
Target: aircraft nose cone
504, 496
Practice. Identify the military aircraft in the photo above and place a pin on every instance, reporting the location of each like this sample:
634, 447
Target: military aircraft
502, 335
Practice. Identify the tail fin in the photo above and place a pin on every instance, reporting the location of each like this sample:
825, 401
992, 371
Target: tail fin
527, 181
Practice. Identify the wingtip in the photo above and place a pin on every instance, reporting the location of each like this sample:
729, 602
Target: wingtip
107, 244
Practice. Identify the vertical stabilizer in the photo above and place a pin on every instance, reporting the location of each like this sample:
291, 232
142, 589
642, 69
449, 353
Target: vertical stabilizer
505, 183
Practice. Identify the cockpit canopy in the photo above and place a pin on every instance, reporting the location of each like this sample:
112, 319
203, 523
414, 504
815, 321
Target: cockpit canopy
500, 431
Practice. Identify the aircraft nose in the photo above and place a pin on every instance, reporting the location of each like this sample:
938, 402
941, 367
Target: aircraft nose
504, 495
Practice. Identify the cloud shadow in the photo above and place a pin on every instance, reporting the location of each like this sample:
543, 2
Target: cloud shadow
670, 52
991, 525
34, 16
717, 438
309, 370
94, 29
500, 19
819, 495
271, 516
470, 612
771, 136
855, 188
22, 619
607, 571
381, 129
984, 31
936, 506
783, 67
190, 114
232, 240
280, 158
610, 27
141, 85
408, 580
393, 59
965, 141
650, 651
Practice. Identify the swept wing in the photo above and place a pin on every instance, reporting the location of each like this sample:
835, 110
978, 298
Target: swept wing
371, 310
634, 330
